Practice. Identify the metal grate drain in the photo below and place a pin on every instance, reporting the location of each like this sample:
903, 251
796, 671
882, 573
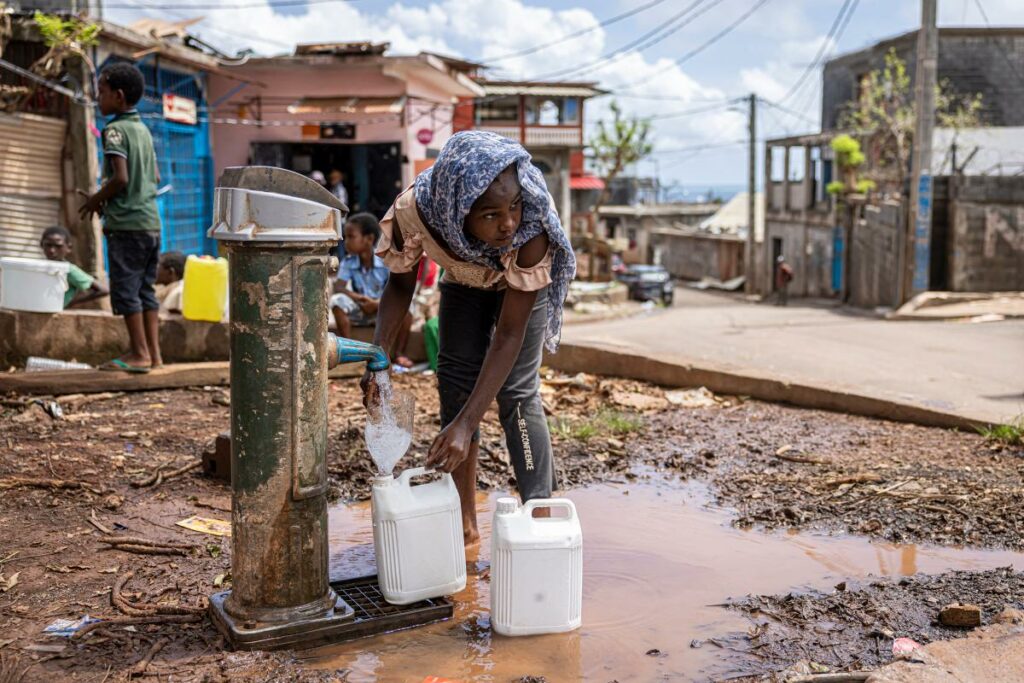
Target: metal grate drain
370, 615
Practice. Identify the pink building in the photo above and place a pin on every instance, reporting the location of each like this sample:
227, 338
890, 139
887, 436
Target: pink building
379, 119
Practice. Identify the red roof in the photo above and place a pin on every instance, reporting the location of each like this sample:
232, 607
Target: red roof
585, 182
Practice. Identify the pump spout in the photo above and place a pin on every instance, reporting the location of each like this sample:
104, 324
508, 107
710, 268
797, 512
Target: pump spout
342, 350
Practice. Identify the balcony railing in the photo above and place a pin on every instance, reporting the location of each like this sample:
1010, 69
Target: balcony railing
540, 136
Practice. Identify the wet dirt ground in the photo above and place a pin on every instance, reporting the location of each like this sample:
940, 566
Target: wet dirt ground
762, 466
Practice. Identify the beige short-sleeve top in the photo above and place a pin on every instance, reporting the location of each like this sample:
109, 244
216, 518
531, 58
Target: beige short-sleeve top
417, 240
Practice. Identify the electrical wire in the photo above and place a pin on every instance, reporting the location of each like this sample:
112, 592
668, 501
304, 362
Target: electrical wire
564, 39
847, 6
645, 41
999, 45
706, 44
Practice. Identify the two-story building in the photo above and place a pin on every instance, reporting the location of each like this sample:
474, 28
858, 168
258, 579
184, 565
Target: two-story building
865, 261
377, 118
546, 118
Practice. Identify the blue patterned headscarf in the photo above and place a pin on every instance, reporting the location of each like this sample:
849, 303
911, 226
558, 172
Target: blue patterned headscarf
466, 167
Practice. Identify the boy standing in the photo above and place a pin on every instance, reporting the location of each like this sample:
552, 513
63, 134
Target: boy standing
82, 287
361, 279
131, 224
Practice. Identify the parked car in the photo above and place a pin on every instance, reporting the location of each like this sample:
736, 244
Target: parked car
648, 283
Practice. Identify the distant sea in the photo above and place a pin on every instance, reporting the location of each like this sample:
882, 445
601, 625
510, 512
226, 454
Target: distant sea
700, 193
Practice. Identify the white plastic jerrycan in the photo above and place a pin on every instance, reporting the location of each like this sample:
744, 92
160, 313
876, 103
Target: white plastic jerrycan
417, 537
536, 568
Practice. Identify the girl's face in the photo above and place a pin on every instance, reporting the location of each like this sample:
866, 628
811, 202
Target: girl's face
495, 216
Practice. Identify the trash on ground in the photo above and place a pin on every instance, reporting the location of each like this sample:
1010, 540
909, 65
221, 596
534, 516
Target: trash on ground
691, 398
65, 628
216, 527
901, 647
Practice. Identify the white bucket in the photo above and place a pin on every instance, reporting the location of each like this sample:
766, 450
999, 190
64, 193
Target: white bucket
34, 285
417, 537
536, 568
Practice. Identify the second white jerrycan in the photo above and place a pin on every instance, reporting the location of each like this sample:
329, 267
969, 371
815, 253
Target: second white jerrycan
417, 537
536, 568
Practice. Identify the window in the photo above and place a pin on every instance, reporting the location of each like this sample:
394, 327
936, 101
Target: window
778, 162
552, 111
505, 109
797, 164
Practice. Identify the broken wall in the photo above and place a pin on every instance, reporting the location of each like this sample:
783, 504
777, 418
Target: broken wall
986, 248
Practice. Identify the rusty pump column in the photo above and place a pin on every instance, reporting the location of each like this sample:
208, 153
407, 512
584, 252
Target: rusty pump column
277, 227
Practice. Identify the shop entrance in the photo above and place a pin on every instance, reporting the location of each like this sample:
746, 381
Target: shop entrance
373, 172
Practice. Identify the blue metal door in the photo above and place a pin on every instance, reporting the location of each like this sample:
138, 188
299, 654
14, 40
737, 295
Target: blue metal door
184, 158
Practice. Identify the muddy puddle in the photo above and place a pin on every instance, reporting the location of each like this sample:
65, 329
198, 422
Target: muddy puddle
657, 561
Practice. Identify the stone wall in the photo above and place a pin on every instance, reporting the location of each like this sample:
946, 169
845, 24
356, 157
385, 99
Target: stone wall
95, 337
986, 251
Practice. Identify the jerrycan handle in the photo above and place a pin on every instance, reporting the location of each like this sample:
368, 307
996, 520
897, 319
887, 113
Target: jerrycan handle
562, 503
408, 474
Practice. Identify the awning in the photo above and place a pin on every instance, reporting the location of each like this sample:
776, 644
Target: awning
348, 105
585, 182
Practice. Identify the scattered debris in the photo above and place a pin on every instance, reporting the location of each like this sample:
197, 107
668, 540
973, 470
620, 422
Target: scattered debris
145, 546
965, 616
65, 628
692, 398
851, 629
902, 647
159, 476
144, 663
215, 527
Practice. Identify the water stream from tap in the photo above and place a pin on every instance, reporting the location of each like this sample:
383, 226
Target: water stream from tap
388, 428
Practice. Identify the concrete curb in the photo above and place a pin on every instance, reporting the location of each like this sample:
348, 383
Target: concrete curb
573, 358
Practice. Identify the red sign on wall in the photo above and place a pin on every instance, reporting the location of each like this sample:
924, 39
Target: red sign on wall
180, 109
424, 136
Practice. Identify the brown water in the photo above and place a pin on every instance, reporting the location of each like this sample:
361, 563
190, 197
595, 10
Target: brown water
656, 560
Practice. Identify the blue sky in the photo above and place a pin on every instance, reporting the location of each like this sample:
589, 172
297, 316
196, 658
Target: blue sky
766, 54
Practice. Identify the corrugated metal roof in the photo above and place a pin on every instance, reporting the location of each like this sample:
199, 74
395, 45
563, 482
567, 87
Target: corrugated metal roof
348, 105
30, 180
585, 182
552, 90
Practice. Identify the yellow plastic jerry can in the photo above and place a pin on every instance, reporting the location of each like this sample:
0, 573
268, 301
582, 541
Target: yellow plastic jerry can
204, 295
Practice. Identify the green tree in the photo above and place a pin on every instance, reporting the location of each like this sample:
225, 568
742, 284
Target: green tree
883, 118
66, 38
614, 147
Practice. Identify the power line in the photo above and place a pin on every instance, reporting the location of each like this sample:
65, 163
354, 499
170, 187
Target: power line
564, 39
706, 44
643, 42
848, 5
999, 45
787, 110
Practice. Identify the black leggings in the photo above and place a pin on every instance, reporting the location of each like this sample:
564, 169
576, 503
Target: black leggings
466, 324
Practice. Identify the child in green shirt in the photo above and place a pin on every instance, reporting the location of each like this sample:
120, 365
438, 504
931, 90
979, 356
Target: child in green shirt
131, 223
82, 287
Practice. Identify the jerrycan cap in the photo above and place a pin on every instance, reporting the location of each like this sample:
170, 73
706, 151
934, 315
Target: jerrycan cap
383, 479
506, 506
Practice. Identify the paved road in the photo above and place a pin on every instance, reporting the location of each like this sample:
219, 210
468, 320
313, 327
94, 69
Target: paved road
972, 369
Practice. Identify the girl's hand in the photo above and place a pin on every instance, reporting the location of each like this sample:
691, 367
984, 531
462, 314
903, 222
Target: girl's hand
451, 447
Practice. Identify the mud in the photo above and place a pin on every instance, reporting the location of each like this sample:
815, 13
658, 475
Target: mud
852, 627
655, 559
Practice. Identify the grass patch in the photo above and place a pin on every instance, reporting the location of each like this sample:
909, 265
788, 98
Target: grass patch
606, 423
1010, 434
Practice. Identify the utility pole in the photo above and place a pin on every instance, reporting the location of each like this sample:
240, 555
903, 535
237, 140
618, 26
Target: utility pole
918, 242
748, 251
